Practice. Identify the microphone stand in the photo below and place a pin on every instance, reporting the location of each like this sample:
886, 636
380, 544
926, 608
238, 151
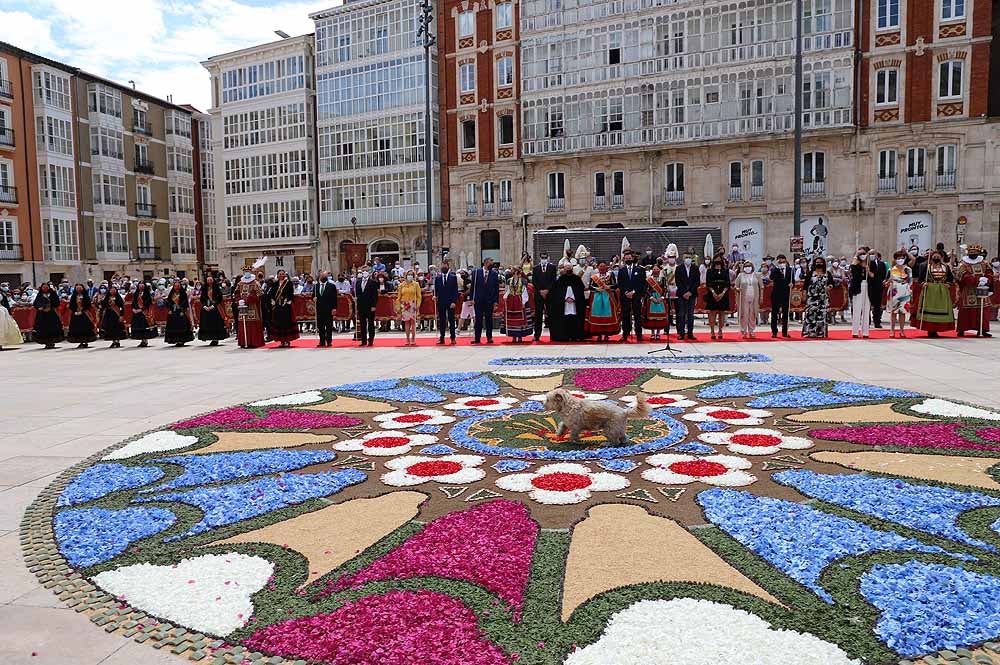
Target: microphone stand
672, 352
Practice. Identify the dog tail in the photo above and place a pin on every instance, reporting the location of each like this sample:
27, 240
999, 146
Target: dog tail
641, 408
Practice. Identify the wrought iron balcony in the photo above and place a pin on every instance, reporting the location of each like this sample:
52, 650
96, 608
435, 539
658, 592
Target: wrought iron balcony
505, 207
735, 193
916, 183
814, 188
11, 252
144, 166
888, 185
145, 210
617, 201
8, 194
557, 204
6, 89
148, 253
756, 192
142, 128
946, 180
672, 198
599, 202
6, 136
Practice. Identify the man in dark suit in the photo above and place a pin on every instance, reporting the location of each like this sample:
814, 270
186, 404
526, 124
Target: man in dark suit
485, 294
543, 277
687, 278
782, 278
880, 273
326, 305
631, 288
366, 292
446, 295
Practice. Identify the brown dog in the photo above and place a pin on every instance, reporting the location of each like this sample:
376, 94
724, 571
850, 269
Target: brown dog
580, 415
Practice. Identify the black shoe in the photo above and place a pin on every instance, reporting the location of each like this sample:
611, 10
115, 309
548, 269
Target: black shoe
489, 340
986, 334
214, 342
537, 338
786, 335
453, 342
961, 333
441, 341
475, 341
691, 337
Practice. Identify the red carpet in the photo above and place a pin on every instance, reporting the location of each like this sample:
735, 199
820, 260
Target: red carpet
385, 341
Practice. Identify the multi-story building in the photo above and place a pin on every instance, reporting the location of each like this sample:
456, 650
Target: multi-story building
263, 145
370, 90
204, 168
483, 174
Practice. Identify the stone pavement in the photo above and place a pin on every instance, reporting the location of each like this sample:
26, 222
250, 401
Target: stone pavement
58, 407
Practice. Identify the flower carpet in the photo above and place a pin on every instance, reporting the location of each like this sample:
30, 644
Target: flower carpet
447, 520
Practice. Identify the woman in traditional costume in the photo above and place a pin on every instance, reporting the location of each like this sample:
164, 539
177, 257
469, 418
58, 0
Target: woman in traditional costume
655, 310
48, 326
112, 318
898, 293
817, 285
82, 329
518, 301
10, 332
142, 315
935, 311
179, 330
283, 327
212, 327
249, 318
408, 298
603, 315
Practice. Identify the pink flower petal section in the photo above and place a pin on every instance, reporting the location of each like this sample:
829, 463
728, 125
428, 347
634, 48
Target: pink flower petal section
398, 628
299, 420
224, 417
989, 434
602, 378
906, 436
490, 545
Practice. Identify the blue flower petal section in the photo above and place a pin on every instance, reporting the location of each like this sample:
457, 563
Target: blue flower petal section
743, 388
408, 393
222, 467
695, 448
927, 607
426, 429
447, 377
798, 540
437, 449
88, 536
763, 377
712, 426
463, 383
922, 507
234, 503
103, 479
621, 465
869, 392
383, 384
508, 465
802, 398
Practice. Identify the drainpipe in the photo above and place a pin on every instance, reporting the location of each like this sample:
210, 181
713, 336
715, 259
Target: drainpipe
27, 179
650, 191
858, 64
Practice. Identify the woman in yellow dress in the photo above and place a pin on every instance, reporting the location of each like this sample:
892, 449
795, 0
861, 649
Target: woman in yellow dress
408, 298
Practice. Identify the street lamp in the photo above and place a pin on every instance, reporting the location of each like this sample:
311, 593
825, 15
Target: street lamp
426, 18
797, 206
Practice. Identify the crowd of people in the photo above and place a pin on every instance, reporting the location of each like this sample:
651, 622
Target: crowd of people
577, 297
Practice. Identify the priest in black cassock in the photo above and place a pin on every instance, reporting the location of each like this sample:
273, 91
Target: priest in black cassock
566, 306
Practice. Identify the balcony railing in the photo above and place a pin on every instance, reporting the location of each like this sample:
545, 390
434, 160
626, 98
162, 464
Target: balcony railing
148, 253
111, 202
887, 185
735, 193
11, 252
178, 132
916, 183
8, 194
945, 180
756, 192
142, 128
6, 89
145, 210
110, 155
505, 207
471, 209
599, 202
144, 166
557, 204
673, 198
617, 201
489, 208
6, 136
814, 188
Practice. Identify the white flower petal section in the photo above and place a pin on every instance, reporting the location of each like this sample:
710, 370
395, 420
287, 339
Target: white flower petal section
155, 442
562, 484
308, 397
400, 420
596, 397
718, 470
942, 407
209, 593
516, 482
728, 415
449, 469
482, 403
685, 631
385, 443
698, 373
756, 441
527, 373
662, 401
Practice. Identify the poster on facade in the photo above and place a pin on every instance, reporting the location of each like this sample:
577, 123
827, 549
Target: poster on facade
815, 232
915, 229
747, 235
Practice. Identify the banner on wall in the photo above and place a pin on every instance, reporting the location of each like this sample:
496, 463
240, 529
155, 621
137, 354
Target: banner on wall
816, 234
915, 229
748, 237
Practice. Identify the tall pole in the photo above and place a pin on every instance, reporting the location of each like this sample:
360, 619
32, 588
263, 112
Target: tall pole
426, 17
797, 208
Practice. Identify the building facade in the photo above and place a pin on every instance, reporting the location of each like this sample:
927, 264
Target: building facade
370, 90
263, 148
204, 168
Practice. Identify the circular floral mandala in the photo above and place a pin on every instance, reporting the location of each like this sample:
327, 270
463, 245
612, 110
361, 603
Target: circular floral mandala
449, 518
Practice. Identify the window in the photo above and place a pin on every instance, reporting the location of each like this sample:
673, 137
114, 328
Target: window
180, 159
952, 9
60, 240
814, 173
53, 90
8, 237
599, 188
505, 15
615, 56
57, 185
107, 142
468, 135
466, 24
505, 71
111, 236
947, 166
145, 242
181, 200
757, 179
7, 192
265, 78
816, 91
182, 239
618, 189
143, 195
109, 190
916, 169
950, 79
467, 77
886, 87
506, 129
615, 114
555, 124
471, 194
888, 14
736, 174
52, 134
674, 179
557, 190
489, 198
887, 171
104, 99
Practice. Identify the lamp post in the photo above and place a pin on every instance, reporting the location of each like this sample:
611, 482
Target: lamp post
797, 207
424, 31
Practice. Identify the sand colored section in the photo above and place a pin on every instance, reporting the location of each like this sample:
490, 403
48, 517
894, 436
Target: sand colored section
665, 384
233, 441
619, 544
538, 384
344, 404
873, 413
970, 471
330, 536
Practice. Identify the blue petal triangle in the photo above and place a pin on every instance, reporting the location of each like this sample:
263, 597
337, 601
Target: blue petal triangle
870, 392
742, 388
695, 448
103, 479
88, 536
437, 449
801, 398
407, 393
382, 384
222, 467
762, 377
464, 383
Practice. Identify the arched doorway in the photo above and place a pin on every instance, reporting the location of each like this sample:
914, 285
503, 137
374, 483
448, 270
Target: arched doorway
385, 249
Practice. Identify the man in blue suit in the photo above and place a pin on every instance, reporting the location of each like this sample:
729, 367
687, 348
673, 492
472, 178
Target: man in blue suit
632, 287
446, 295
485, 294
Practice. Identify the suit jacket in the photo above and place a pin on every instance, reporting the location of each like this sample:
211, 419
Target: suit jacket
367, 295
446, 290
543, 279
875, 283
781, 280
485, 287
859, 273
326, 299
688, 279
637, 282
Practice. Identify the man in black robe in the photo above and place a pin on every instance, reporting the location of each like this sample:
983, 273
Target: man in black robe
566, 307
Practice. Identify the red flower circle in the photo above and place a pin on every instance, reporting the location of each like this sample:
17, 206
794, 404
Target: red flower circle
482, 402
661, 400
561, 482
386, 442
698, 468
728, 414
755, 440
435, 468
412, 418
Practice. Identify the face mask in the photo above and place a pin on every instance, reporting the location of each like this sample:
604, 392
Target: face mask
748, 269
821, 267
900, 262
836, 264
649, 252
671, 261
862, 257
996, 264
364, 274
687, 262
628, 260
103, 290
409, 278
936, 259
913, 251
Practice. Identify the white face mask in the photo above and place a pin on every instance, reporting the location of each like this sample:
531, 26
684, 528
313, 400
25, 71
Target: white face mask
900, 262
862, 257
671, 261
687, 262
836, 264
782, 264
364, 274
996, 264
409, 278
748, 269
